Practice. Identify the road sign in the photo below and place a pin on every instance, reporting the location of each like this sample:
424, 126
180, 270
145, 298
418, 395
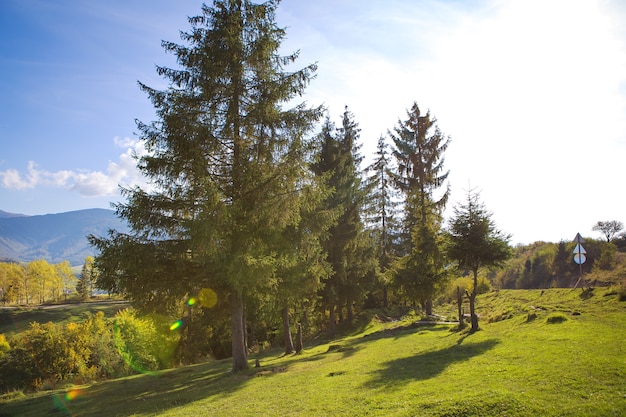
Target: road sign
579, 249
579, 256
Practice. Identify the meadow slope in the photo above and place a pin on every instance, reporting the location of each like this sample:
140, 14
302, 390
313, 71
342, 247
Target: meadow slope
557, 352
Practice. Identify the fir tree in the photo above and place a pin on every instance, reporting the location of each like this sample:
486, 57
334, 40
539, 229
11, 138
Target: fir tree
381, 212
226, 164
88, 277
475, 242
419, 150
348, 249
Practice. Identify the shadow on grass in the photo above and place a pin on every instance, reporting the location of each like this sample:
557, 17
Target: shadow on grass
407, 330
428, 364
136, 395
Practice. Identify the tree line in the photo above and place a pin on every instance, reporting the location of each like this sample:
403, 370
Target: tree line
249, 202
547, 265
40, 282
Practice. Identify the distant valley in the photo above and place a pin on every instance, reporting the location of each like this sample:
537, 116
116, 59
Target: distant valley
54, 237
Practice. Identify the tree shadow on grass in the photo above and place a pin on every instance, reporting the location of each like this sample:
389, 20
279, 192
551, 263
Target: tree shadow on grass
139, 394
428, 364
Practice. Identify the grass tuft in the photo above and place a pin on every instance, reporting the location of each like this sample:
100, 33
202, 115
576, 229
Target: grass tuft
556, 318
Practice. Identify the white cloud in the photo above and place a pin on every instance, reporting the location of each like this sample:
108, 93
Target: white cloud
87, 183
531, 92
11, 179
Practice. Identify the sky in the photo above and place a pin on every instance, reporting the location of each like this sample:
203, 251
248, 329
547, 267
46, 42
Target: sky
532, 94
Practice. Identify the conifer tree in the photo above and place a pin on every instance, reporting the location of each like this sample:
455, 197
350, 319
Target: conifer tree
227, 168
88, 277
419, 151
381, 211
347, 248
474, 242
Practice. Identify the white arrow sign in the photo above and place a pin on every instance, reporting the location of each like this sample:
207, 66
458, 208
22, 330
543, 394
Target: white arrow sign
579, 251
579, 256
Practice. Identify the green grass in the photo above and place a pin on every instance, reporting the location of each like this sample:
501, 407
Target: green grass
512, 367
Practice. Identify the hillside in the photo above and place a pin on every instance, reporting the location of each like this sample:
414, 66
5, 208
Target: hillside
53, 237
556, 352
5, 214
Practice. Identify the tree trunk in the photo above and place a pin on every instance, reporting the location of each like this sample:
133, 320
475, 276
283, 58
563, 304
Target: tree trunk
331, 322
385, 297
459, 301
188, 335
287, 330
299, 339
429, 306
247, 333
472, 301
349, 311
240, 354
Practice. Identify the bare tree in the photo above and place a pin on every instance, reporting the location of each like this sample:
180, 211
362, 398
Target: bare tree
608, 228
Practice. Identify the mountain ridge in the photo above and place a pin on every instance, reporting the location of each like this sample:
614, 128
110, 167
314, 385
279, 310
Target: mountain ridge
54, 237
6, 214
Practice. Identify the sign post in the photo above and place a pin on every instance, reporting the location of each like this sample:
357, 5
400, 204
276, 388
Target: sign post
579, 257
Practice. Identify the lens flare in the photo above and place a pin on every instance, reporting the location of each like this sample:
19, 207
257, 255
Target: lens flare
176, 325
72, 394
207, 297
191, 301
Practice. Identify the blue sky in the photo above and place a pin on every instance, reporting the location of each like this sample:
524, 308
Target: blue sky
532, 93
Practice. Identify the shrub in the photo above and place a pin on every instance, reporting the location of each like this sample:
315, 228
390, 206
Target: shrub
47, 354
17, 368
556, 318
103, 354
145, 343
4, 346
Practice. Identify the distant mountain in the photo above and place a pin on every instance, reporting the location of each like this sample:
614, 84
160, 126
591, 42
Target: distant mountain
54, 237
4, 215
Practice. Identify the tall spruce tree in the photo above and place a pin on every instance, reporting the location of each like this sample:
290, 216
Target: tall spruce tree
347, 248
381, 212
227, 168
419, 151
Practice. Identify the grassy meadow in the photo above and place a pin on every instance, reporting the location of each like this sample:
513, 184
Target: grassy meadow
557, 352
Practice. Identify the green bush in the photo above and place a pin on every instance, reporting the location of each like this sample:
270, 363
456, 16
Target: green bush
103, 355
556, 318
17, 368
48, 354
145, 343
4, 346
